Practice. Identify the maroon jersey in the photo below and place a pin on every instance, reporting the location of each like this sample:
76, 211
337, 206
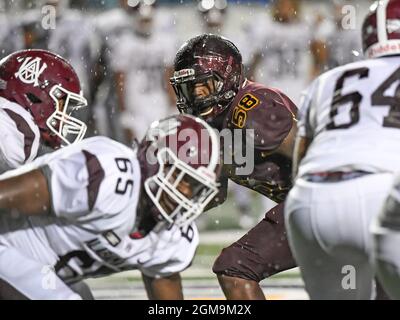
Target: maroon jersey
271, 114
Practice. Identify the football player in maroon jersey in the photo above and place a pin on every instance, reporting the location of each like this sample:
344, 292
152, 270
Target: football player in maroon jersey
210, 84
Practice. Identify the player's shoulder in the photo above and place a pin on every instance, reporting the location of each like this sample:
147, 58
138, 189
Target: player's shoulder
20, 134
391, 62
15, 107
371, 64
104, 147
114, 162
256, 99
267, 111
98, 164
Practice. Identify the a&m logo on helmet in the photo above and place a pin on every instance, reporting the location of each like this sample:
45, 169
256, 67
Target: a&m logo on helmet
30, 70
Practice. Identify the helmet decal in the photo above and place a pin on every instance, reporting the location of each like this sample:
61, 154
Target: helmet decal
30, 70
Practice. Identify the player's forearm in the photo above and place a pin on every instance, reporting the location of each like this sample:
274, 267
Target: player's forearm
320, 57
300, 149
168, 288
120, 85
287, 146
27, 194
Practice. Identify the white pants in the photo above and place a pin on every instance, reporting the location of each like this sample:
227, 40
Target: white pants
328, 229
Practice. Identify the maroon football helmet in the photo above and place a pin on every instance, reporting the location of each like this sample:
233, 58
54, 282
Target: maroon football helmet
381, 29
181, 149
47, 86
209, 60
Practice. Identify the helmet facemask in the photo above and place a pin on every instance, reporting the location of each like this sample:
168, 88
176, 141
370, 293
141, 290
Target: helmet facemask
166, 185
190, 99
62, 122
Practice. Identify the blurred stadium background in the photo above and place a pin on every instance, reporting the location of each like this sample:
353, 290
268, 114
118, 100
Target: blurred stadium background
124, 55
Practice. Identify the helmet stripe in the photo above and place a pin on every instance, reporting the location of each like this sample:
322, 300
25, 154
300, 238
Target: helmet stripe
381, 20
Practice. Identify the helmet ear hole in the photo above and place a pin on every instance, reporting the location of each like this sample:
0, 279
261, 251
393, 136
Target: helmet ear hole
32, 98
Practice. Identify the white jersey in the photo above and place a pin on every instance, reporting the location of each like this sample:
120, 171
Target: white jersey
286, 59
351, 114
95, 187
20, 136
144, 62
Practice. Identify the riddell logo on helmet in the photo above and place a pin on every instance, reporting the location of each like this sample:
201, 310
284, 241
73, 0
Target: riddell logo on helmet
384, 49
30, 70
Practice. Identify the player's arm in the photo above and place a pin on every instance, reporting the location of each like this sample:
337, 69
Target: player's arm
222, 194
120, 78
300, 149
305, 131
318, 48
120, 85
27, 193
320, 56
164, 288
288, 144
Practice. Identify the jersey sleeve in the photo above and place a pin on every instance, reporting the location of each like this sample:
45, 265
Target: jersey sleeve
87, 184
69, 182
173, 253
19, 140
305, 122
269, 112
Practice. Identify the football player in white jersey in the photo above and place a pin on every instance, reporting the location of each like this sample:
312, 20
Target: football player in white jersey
385, 228
143, 64
98, 207
39, 95
285, 50
347, 151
